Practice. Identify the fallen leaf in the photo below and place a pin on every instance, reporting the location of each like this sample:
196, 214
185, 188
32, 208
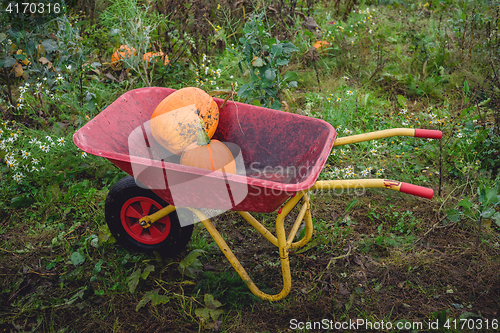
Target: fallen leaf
45, 61
18, 70
111, 77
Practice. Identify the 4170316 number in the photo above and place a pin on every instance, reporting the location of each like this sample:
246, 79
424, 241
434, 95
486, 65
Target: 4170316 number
33, 8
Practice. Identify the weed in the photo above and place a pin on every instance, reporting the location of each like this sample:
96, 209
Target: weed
264, 56
227, 287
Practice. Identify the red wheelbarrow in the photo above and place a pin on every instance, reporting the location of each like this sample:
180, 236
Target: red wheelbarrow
282, 156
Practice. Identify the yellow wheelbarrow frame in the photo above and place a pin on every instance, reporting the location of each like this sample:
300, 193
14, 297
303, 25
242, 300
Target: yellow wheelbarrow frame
285, 242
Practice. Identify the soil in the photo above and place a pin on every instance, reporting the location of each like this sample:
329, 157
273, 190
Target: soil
443, 271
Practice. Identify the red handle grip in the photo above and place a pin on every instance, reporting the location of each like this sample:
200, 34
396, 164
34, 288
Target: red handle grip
419, 191
430, 134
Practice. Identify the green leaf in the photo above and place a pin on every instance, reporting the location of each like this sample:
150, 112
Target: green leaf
9, 61
244, 91
211, 303
20, 201
289, 48
60, 178
159, 299
401, 100
453, 215
20, 56
133, 280
2, 37
56, 191
315, 242
276, 50
290, 76
496, 217
147, 270
97, 267
145, 300
154, 297
465, 204
49, 45
292, 84
488, 212
481, 193
191, 266
350, 205
215, 314
191, 257
276, 105
466, 88
491, 196
77, 258
308, 34
105, 235
282, 62
81, 23
203, 314
270, 74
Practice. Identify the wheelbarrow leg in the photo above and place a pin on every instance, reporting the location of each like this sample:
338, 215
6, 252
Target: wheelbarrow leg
280, 241
308, 225
285, 264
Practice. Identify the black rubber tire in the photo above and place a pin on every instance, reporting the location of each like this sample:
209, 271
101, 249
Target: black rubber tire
126, 189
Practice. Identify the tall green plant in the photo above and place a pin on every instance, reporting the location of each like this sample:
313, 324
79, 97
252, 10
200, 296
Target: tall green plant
264, 56
488, 201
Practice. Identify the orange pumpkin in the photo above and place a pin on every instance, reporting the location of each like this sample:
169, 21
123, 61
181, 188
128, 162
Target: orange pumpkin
209, 154
175, 120
149, 56
321, 45
120, 53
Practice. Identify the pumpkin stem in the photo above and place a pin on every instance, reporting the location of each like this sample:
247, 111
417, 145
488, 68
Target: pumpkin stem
203, 138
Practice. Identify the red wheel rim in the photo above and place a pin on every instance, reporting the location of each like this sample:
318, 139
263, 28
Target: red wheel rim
138, 207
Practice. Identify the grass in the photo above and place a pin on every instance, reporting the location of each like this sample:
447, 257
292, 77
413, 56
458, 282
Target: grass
377, 256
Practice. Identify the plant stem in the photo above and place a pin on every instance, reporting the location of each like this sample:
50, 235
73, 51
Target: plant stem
9, 95
479, 231
316, 70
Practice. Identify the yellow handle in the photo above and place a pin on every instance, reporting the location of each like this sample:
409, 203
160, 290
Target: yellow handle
374, 136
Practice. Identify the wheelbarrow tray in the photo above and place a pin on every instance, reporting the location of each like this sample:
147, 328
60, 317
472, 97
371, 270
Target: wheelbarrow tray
283, 153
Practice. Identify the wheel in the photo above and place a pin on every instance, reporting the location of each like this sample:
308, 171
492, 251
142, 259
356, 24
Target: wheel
126, 203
